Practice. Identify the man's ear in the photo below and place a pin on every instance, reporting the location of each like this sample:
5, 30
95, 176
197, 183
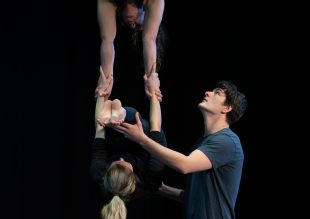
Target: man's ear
227, 109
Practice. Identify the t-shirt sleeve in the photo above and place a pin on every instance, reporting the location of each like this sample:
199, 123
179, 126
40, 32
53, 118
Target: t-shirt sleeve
218, 149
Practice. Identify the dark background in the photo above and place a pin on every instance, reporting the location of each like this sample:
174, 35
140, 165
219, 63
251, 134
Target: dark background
50, 62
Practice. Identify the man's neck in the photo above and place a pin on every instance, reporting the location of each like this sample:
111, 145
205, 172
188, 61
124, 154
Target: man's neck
212, 126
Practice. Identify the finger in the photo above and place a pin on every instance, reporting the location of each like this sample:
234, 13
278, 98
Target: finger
160, 99
105, 92
145, 77
119, 129
148, 94
124, 126
138, 120
158, 94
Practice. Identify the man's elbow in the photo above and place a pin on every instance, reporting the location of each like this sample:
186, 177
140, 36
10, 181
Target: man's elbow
183, 169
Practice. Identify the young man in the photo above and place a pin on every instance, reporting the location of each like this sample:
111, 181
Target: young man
214, 167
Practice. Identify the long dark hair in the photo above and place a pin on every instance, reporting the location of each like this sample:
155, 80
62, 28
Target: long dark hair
161, 45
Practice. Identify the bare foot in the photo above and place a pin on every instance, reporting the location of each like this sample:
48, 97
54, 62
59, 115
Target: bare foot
104, 115
118, 113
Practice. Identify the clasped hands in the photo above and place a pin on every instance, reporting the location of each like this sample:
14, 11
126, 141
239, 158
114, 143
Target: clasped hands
151, 84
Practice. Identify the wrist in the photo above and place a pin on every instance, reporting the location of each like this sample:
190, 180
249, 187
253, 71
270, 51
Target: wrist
100, 132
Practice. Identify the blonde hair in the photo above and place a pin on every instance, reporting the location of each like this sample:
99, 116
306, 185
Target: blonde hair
120, 183
116, 209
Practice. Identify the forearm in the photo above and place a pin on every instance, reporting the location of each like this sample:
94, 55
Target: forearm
149, 53
173, 159
155, 113
107, 55
171, 193
153, 15
100, 132
107, 24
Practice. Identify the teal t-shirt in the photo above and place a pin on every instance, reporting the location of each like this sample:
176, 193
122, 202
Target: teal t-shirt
212, 194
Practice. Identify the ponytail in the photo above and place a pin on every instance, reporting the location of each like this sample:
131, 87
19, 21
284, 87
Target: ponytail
119, 183
115, 209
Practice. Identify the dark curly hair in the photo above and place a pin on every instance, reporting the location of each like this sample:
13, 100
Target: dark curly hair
235, 99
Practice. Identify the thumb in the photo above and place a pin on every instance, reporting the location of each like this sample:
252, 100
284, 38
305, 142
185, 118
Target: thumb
145, 77
138, 120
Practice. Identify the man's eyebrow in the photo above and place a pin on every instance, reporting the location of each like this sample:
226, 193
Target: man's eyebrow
219, 90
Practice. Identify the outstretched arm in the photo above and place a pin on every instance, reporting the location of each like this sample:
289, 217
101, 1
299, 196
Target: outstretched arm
155, 118
99, 154
196, 161
107, 23
153, 15
155, 125
153, 83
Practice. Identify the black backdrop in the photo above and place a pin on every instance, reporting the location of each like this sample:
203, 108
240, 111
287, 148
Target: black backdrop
50, 56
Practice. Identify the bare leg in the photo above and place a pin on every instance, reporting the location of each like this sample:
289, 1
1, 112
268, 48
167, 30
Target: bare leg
118, 112
104, 115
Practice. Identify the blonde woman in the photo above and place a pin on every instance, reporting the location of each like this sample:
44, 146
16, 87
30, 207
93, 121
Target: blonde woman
124, 170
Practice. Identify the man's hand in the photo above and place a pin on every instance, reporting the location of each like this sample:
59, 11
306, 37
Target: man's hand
152, 83
132, 132
105, 84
